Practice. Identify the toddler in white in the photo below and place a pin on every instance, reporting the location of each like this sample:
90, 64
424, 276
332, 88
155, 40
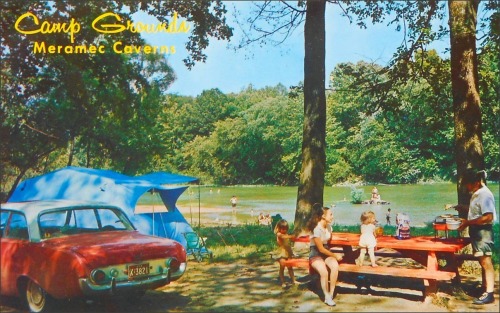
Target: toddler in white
367, 240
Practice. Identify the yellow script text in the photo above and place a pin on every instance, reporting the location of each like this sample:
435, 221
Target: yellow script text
72, 27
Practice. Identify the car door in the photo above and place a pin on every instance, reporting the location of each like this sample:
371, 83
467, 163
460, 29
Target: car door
13, 250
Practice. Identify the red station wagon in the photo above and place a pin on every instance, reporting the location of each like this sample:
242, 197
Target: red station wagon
67, 249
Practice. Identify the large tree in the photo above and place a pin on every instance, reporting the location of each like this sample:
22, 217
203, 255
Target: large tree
465, 90
312, 173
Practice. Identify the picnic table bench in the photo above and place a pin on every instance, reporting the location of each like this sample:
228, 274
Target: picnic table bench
422, 249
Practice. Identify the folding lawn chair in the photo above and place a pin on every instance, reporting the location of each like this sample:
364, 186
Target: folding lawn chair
196, 246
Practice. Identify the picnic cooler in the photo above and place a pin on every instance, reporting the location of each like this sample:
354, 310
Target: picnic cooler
402, 226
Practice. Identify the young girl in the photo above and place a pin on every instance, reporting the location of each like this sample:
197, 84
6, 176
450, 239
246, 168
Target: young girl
283, 239
367, 239
320, 257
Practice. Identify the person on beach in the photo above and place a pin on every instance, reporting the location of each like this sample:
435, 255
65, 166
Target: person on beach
233, 201
283, 240
321, 259
367, 240
268, 219
375, 198
388, 216
481, 214
264, 219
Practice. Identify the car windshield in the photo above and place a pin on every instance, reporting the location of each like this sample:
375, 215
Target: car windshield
73, 221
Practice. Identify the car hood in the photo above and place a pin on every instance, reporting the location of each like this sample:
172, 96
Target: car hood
116, 247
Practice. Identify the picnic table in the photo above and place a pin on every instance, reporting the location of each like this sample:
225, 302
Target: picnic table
425, 250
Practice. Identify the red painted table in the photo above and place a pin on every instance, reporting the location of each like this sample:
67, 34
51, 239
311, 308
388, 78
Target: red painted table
423, 249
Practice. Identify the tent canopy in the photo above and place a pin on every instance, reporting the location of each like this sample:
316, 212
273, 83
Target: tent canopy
76, 183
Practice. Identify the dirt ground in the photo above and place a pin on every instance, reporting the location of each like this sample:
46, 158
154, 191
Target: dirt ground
242, 287
255, 287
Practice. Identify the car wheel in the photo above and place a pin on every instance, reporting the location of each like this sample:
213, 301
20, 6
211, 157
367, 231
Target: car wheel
38, 299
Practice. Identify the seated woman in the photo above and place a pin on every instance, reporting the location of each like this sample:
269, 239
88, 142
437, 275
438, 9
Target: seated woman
375, 199
321, 259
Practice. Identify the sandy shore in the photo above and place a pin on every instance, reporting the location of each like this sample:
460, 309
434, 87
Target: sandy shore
206, 215
184, 210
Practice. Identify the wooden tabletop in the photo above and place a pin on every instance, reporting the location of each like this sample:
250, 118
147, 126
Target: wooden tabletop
419, 243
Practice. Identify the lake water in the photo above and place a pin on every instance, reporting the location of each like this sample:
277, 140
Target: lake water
422, 202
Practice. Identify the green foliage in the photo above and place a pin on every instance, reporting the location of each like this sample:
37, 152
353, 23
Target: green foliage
384, 143
356, 195
258, 145
489, 85
254, 137
206, 17
337, 172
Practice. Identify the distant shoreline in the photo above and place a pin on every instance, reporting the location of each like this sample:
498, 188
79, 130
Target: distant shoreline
205, 214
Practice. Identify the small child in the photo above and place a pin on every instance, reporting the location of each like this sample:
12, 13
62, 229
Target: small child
367, 239
283, 239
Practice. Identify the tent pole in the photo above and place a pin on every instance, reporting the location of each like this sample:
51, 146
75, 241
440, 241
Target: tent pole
190, 211
153, 192
163, 224
199, 204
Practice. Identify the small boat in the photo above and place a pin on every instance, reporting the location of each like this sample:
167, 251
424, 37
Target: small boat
373, 202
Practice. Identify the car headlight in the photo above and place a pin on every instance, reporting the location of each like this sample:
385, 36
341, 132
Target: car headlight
98, 276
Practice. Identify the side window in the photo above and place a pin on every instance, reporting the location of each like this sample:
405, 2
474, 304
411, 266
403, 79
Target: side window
52, 223
85, 219
16, 227
4, 215
110, 220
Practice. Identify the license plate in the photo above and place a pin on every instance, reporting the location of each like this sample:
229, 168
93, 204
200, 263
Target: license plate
138, 270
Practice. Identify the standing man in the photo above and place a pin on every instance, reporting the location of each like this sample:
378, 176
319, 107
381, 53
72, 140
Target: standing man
233, 201
480, 218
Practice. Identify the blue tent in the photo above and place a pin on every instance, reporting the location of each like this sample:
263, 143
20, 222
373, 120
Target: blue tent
76, 183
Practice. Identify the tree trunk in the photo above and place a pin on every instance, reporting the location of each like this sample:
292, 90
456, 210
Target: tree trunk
312, 173
465, 90
71, 151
